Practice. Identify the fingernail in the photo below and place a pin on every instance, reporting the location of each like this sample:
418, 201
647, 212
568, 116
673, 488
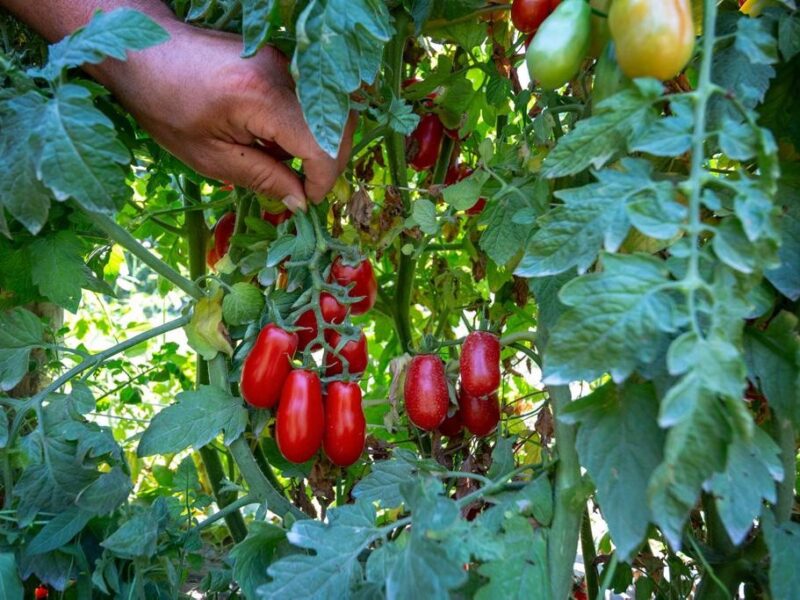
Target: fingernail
294, 204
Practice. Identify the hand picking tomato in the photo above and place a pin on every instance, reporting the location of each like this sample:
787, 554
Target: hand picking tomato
423, 145
480, 364
354, 352
300, 422
452, 426
332, 312
558, 48
653, 39
426, 394
345, 425
527, 15
480, 415
223, 232
276, 218
366, 286
267, 366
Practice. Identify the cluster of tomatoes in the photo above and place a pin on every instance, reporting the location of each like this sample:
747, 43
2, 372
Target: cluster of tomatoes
306, 418
427, 393
652, 39
424, 145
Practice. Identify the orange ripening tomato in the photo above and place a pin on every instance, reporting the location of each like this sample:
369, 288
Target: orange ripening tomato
653, 39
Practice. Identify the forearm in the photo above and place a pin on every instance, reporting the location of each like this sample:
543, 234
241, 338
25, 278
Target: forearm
54, 19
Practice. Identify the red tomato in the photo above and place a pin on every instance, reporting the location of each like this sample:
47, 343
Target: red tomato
276, 218
477, 208
41, 592
366, 286
426, 394
226, 186
527, 15
480, 415
456, 173
480, 364
300, 422
354, 352
267, 366
212, 257
345, 425
332, 312
424, 143
223, 232
452, 426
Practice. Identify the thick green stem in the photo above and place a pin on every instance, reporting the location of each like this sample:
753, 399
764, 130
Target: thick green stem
132, 245
589, 554
196, 228
564, 533
784, 433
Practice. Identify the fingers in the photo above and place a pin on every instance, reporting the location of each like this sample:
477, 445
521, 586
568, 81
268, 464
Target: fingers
258, 171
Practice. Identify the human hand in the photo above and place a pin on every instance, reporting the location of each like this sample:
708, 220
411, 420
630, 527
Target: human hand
219, 112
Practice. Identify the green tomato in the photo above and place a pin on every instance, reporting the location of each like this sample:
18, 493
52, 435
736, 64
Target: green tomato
558, 48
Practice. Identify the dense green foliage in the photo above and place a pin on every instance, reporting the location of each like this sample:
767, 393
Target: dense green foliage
638, 256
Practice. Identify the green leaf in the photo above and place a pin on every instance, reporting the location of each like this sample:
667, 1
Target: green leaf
783, 541
242, 304
339, 45
109, 34
619, 442
105, 493
772, 364
618, 318
59, 531
596, 141
334, 566
789, 35
196, 419
383, 483
754, 40
464, 194
521, 573
424, 215
21, 192
256, 24
670, 136
10, 583
20, 332
136, 537
77, 152
252, 556
58, 269
752, 469
786, 277
695, 449
598, 216
502, 458
734, 249
504, 238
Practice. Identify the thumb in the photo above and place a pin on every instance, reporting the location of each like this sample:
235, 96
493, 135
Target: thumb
256, 170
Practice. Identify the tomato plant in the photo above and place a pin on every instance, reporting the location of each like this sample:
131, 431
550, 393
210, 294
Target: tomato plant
547, 314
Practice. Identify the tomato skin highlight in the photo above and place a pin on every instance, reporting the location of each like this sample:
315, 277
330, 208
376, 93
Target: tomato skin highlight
366, 286
426, 394
558, 48
300, 422
480, 415
452, 426
653, 39
223, 232
355, 352
345, 425
480, 364
424, 143
332, 312
527, 15
267, 366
